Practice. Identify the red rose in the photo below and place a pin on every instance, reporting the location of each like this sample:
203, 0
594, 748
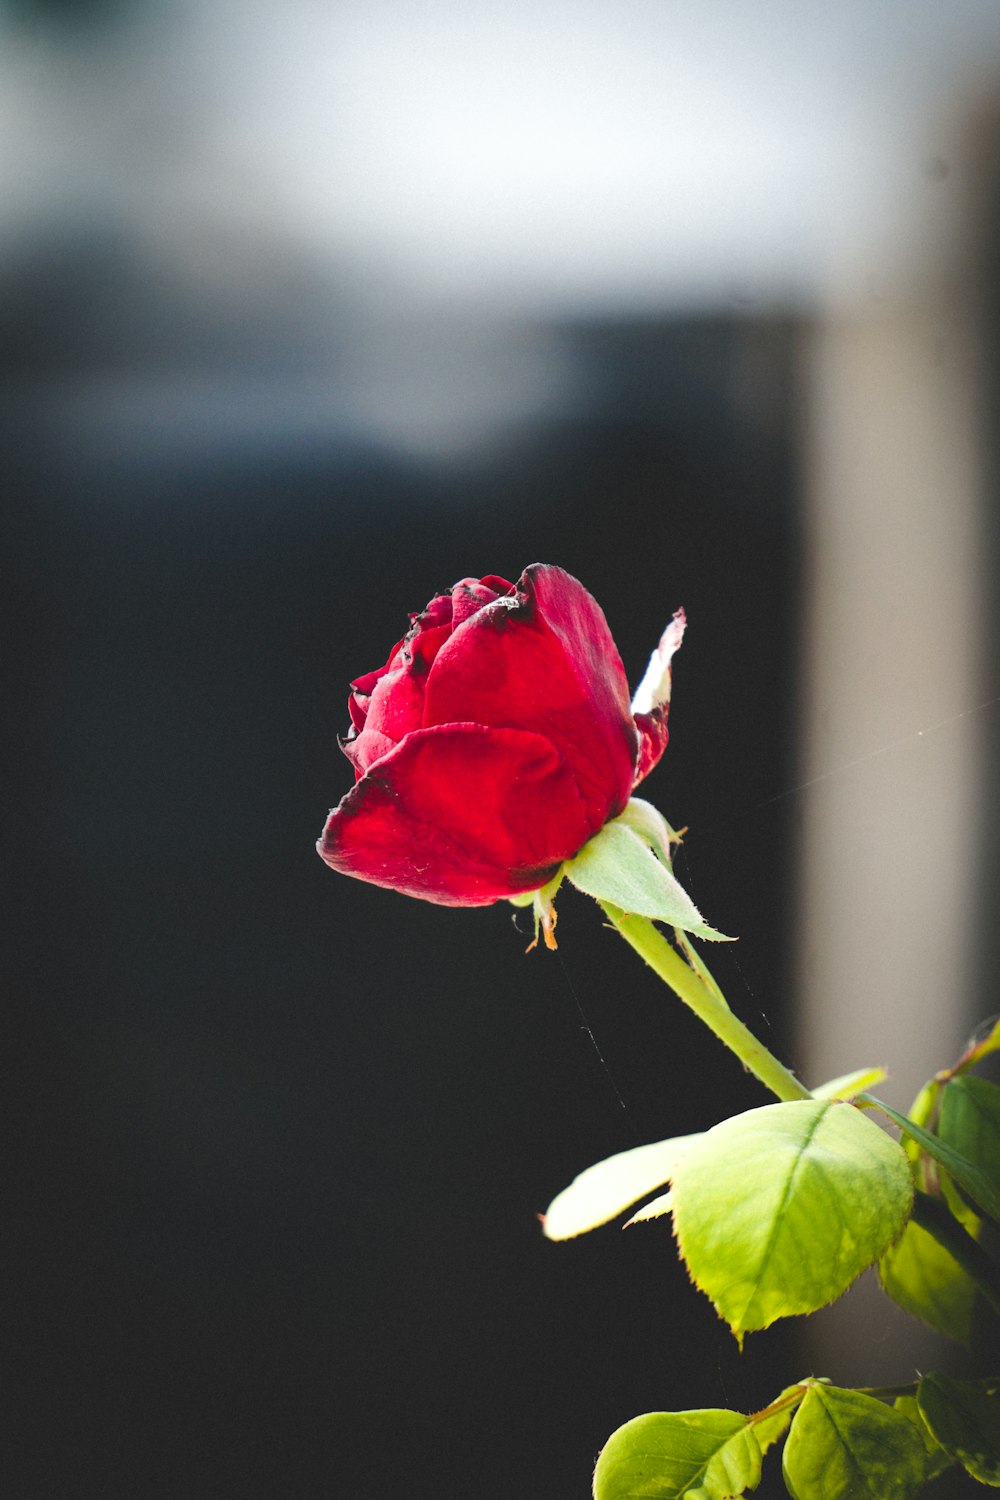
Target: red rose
497, 739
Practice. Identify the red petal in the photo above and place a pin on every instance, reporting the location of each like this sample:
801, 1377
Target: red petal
498, 585
365, 749
364, 686
421, 648
460, 814
467, 597
357, 707
437, 612
544, 661
651, 701
653, 739
387, 704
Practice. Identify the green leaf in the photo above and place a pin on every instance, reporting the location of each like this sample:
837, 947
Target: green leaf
699, 1455
970, 1122
965, 1172
961, 1209
656, 1209
924, 1111
683, 1455
610, 1186
924, 1105
937, 1459
617, 865
965, 1420
849, 1085
776, 1211
927, 1282
847, 1446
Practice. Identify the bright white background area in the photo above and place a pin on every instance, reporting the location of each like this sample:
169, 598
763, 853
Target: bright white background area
569, 155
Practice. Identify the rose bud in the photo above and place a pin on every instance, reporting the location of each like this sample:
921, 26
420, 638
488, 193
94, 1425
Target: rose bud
495, 742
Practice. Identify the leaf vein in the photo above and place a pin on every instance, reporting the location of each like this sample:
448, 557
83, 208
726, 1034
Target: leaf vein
780, 1211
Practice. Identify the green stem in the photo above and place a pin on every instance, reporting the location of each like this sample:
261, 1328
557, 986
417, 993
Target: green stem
890, 1392
933, 1216
698, 990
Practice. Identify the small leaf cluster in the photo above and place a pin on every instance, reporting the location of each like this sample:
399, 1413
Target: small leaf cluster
775, 1213
938, 1271
840, 1444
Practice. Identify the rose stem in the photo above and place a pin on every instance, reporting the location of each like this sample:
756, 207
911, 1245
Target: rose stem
706, 1000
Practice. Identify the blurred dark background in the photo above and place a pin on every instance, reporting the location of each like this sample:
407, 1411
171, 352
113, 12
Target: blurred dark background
276, 1141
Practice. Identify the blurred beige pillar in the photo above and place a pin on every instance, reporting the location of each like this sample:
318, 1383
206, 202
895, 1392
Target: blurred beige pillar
890, 745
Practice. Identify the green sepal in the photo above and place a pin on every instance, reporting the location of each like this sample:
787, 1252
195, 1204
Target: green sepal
844, 1445
652, 827
619, 865
542, 902
965, 1419
778, 1210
